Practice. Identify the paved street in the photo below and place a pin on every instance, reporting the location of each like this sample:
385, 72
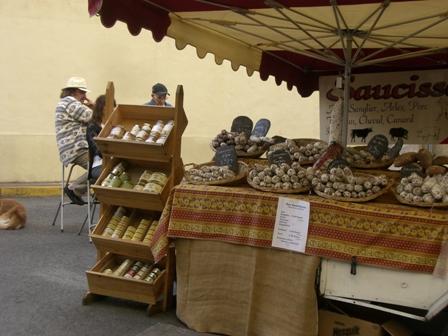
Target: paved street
43, 282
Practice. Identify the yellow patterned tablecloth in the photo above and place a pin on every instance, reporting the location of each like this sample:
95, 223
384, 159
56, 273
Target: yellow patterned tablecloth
381, 233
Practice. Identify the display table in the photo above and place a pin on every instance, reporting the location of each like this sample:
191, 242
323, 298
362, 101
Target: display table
231, 281
379, 233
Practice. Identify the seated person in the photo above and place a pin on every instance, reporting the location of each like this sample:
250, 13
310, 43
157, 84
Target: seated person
73, 112
158, 95
93, 129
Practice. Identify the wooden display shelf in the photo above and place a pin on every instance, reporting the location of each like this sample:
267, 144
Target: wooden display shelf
121, 246
139, 156
130, 115
129, 197
121, 287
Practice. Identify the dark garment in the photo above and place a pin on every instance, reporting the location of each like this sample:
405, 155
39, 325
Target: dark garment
95, 172
92, 131
152, 102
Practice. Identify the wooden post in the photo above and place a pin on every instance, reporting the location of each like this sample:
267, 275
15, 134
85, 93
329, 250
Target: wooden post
110, 98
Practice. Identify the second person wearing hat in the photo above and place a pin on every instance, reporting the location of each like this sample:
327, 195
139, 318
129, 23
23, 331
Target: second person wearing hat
158, 96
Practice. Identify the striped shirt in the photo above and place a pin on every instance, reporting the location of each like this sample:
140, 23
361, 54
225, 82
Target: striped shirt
71, 119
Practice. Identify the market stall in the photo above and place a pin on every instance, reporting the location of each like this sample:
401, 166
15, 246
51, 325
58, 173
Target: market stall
296, 42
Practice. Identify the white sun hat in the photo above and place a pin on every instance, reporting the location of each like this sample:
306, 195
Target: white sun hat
77, 83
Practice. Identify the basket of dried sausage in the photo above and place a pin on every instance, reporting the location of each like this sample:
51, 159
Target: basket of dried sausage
342, 184
429, 191
245, 146
305, 151
281, 178
210, 174
359, 157
376, 154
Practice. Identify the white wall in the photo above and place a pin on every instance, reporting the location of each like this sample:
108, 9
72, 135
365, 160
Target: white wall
45, 42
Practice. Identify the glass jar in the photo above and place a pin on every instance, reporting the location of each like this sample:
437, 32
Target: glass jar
147, 127
143, 272
152, 188
142, 135
159, 178
115, 182
150, 233
134, 269
129, 136
143, 180
124, 176
121, 227
119, 169
127, 185
111, 226
120, 212
152, 276
123, 268
134, 131
116, 132
165, 132
106, 182
155, 132
130, 230
141, 230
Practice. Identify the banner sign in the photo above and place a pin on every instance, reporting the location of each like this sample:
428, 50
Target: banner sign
412, 105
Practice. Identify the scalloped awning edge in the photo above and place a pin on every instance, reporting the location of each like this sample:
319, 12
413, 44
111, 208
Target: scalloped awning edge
221, 47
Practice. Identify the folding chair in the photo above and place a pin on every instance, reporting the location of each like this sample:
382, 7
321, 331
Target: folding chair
62, 202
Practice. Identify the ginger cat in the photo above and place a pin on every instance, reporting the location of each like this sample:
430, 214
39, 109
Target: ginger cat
12, 215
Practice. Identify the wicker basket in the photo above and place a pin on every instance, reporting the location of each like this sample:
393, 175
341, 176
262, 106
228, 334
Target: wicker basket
253, 155
278, 191
372, 165
419, 204
305, 141
243, 170
244, 154
363, 199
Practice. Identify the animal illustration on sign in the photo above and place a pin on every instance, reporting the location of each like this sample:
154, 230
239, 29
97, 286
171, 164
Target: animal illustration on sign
360, 133
398, 132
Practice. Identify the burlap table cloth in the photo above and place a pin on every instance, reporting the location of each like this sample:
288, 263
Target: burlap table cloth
381, 233
240, 290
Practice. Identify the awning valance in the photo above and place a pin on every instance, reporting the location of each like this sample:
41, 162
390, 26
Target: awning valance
296, 41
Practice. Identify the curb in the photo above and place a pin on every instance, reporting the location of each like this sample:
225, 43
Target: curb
29, 191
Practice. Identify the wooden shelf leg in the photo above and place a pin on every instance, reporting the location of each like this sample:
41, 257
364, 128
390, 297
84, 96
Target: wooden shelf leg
169, 281
154, 309
89, 298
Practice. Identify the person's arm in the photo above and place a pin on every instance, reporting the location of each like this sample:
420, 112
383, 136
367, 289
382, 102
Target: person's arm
79, 111
88, 103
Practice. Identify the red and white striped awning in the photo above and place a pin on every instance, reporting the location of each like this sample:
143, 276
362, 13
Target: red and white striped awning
296, 41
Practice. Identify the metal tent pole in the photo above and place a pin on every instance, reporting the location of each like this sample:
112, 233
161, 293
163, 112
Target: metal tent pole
347, 75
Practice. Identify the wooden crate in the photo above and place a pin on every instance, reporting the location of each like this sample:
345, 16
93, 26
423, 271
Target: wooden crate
129, 115
129, 197
121, 246
121, 287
